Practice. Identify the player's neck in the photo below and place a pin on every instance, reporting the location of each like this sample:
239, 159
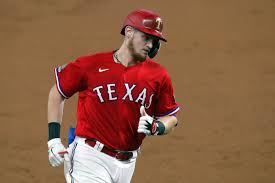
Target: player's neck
124, 57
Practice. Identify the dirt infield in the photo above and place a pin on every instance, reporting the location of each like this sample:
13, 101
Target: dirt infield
220, 55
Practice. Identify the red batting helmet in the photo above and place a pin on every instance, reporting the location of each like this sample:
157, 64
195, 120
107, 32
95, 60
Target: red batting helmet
145, 21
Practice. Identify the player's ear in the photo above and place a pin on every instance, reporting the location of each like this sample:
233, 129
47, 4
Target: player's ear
129, 31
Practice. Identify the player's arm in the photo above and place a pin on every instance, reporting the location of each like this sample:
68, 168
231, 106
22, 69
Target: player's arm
70, 79
56, 149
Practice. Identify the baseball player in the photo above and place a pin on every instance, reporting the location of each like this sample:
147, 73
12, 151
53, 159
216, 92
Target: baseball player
123, 96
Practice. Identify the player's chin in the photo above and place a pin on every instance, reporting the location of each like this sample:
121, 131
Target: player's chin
143, 55
140, 56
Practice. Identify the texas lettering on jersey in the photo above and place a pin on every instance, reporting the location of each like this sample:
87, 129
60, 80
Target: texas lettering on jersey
111, 94
111, 90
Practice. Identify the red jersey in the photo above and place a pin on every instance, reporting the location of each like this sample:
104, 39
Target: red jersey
110, 96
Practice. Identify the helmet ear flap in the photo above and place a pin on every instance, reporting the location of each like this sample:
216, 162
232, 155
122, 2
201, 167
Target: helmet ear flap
155, 49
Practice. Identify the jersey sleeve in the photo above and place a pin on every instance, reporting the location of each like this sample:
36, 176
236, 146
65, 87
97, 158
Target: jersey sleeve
166, 103
70, 78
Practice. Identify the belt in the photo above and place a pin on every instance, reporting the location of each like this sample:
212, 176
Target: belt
120, 155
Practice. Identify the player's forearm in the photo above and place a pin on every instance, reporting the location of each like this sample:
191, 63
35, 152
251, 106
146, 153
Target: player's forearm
55, 106
170, 122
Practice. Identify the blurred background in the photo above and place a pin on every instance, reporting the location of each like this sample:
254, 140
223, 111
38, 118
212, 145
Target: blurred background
220, 55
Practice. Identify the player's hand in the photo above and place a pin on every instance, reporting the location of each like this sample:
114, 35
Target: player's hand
148, 125
56, 151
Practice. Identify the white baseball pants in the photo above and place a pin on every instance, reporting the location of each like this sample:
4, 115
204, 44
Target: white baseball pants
88, 165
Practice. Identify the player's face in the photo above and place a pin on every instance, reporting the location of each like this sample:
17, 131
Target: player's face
140, 45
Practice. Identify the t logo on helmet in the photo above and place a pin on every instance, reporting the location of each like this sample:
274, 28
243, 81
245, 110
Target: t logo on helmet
155, 24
